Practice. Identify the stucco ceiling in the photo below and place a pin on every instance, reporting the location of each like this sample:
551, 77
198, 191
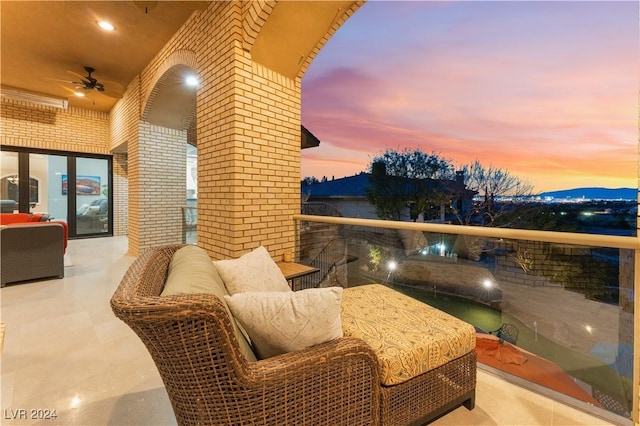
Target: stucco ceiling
47, 44
293, 31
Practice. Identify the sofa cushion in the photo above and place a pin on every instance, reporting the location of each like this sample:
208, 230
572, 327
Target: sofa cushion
408, 337
192, 271
9, 218
91, 211
281, 322
253, 271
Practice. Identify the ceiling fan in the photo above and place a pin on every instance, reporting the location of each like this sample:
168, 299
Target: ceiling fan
88, 82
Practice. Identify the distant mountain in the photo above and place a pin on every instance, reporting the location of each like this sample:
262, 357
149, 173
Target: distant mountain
594, 193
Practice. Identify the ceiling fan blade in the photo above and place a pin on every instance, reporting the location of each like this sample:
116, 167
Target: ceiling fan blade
72, 92
112, 93
113, 88
77, 76
59, 80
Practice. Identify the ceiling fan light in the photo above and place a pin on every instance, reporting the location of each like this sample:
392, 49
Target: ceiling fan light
107, 26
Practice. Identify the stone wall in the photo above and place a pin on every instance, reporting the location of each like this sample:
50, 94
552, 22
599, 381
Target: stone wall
578, 268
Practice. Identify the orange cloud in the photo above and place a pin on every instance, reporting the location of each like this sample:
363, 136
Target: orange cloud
545, 90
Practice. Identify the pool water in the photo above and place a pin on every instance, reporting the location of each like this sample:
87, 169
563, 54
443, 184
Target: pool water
481, 316
583, 367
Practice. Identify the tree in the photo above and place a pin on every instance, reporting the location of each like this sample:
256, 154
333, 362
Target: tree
491, 184
404, 179
309, 180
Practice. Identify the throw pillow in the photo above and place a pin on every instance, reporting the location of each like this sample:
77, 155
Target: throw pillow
91, 211
281, 322
412, 241
253, 271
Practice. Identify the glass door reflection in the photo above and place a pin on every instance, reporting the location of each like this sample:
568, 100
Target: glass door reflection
92, 196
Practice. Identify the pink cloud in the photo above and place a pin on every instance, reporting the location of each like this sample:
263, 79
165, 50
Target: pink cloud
556, 106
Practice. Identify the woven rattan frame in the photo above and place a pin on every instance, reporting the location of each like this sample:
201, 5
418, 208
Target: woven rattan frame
31, 252
442, 389
209, 382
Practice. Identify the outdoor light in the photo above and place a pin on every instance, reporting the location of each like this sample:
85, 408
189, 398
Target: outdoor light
392, 265
588, 328
487, 283
192, 81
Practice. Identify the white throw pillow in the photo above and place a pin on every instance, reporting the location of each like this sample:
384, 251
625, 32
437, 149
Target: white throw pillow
253, 271
280, 322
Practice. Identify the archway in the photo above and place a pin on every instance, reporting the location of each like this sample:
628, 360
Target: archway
157, 164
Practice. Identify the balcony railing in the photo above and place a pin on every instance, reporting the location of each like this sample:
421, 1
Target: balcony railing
567, 299
189, 224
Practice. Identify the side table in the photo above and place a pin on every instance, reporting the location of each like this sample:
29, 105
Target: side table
293, 271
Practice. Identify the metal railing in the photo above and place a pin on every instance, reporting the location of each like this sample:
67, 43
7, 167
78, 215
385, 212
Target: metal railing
506, 233
326, 261
189, 224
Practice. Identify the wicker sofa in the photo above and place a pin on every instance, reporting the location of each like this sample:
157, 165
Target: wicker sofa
32, 251
196, 347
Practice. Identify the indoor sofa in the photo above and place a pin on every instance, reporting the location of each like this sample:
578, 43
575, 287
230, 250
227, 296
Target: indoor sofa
218, 370
35, 219
31, 251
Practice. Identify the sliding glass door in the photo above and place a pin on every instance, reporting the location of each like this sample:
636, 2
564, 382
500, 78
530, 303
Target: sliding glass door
91, 196
68, 187
45, 195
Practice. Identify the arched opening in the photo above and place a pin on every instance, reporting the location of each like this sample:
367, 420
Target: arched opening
172, 102
166, 142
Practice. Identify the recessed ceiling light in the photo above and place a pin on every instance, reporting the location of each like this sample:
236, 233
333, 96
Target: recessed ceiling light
107, 26
192, 81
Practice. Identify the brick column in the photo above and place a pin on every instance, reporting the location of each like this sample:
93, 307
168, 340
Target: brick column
157, 182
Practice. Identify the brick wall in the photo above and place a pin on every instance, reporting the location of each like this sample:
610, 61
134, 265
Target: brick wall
157, 176
120, 193
73, 129
248, 136
247, 132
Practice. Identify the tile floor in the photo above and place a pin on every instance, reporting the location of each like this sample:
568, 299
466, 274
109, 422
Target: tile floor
64, 351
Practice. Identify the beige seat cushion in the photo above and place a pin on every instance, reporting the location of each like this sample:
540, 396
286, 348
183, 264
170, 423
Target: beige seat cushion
409, 337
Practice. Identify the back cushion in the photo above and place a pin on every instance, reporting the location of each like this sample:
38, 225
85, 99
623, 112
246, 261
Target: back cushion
253, 271
192, 271
8, 218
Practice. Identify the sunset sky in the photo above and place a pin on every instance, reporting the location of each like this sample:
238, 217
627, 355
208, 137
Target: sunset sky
545, 89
